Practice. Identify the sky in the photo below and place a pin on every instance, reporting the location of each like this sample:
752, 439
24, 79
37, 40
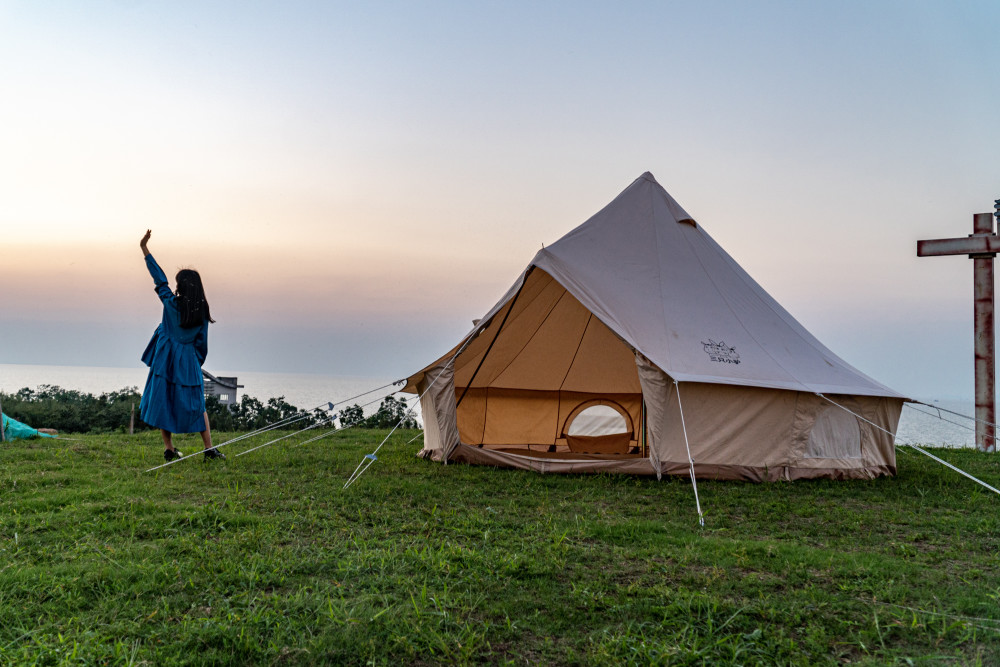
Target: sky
357, 182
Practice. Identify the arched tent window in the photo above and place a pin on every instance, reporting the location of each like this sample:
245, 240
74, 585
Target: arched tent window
598, 420
599, 426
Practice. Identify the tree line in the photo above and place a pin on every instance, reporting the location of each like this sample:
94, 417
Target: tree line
72, 411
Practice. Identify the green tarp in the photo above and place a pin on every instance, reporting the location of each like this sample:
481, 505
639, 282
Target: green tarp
15, 430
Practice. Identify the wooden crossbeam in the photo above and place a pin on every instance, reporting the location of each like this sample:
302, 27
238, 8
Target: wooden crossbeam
968, 245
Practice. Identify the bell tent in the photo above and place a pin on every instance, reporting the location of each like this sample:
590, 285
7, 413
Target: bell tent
635, 344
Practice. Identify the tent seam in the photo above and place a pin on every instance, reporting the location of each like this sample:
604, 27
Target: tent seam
659, 278
586, 327
533, 333
530, 301
562, 383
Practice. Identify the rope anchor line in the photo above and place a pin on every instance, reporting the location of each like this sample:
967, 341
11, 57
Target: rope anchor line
939, 409
694, 480
370, 459
299, 416
911, 446
952, 412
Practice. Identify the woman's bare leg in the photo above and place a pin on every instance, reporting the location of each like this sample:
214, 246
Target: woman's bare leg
168, 441
206, 435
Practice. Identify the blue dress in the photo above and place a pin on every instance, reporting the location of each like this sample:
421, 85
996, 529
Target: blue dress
174, 397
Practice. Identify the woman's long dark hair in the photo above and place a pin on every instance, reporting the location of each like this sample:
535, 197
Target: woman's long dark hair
191, 301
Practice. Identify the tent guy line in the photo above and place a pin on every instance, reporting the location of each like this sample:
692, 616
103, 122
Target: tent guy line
470, 337
329, 420
302, 414
957, 414
912, 446
991, 622
276, 425
938, 416
285, 422
371, 458
687, 445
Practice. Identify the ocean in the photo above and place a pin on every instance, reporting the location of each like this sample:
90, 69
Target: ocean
918, 424
922, 425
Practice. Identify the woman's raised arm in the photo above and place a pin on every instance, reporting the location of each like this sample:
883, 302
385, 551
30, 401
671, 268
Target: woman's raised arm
159, 278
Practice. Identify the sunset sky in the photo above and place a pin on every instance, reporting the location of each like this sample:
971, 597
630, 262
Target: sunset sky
358, 181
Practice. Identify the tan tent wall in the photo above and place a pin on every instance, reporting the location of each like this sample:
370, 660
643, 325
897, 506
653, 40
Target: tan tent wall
509, 417
520, 376
735, 433
549, 342
759, 434
877, 449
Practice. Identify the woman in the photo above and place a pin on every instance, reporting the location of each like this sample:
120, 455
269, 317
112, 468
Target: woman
174, 398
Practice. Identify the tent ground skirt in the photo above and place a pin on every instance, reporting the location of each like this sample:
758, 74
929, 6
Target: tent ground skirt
539, 462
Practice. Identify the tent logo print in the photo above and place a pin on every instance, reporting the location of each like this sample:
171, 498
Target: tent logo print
720, 352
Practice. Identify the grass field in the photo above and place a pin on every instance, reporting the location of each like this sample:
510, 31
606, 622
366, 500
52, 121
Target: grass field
265, 560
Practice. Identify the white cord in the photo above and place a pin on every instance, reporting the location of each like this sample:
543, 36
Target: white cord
371, 458
906, 444
694, 482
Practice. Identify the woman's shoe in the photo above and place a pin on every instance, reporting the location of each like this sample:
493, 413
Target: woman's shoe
214, 454
171, 454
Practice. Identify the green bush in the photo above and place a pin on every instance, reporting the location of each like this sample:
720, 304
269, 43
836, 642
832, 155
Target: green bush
68, 410
72, 411
391, 412
250, 414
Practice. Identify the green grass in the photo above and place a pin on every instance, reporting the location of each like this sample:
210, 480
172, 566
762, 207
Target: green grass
265, 560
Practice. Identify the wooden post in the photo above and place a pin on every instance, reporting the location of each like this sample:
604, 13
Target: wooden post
981, 246
3, 436
131, 419
985, 332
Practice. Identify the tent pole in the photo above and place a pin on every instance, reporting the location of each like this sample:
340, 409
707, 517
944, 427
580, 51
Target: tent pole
642, 428
510, 310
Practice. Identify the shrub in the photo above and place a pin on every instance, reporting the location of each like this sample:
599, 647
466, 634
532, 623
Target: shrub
72, 411
68, 410
392, 411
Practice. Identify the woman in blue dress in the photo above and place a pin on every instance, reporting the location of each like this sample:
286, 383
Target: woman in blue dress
174, 398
